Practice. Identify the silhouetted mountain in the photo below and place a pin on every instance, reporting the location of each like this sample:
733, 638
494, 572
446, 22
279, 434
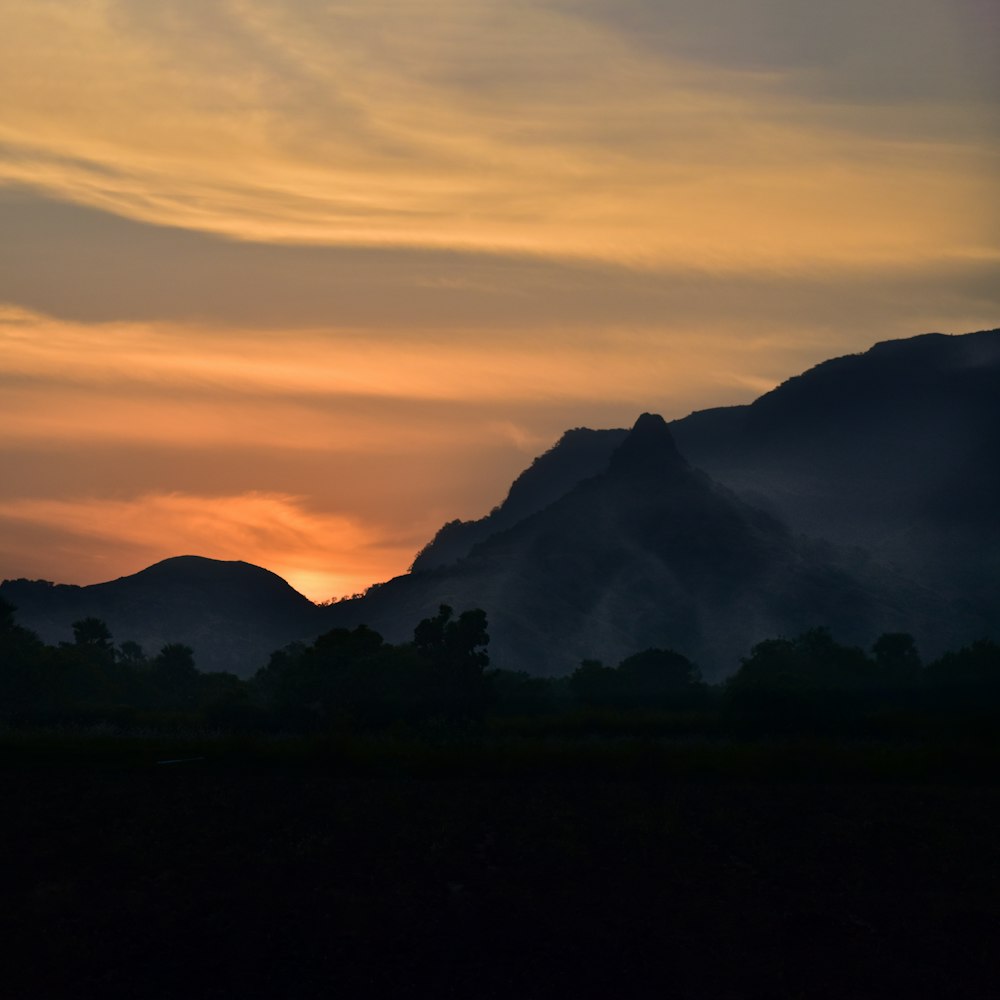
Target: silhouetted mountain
891, 453
232, 614
579, 454
611, 541
649, 553
895, 450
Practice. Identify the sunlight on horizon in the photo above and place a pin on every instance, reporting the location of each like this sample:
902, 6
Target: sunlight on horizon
336, 274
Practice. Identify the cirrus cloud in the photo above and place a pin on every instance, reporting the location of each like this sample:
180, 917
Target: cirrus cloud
543, 128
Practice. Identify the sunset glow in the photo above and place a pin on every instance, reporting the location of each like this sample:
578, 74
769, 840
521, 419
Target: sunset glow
296, 282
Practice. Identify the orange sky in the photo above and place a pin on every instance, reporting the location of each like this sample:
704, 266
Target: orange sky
298, 281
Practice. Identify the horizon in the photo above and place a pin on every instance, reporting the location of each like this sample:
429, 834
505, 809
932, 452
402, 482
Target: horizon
336, 598
296, 284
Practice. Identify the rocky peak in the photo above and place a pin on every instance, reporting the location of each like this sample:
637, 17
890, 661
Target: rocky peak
649, 449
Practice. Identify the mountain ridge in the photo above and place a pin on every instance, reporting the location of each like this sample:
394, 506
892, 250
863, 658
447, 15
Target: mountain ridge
869, 474
651, 552
227, 611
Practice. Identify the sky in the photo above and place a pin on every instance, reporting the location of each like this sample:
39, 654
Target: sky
297, 281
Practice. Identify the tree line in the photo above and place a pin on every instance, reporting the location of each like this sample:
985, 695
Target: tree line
353, 679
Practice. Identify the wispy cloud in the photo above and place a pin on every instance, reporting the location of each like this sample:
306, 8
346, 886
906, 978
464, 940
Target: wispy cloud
321, 554
86, 265
537, 128
147, 367
277, 268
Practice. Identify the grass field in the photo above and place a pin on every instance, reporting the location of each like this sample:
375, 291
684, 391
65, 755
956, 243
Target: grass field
498, 866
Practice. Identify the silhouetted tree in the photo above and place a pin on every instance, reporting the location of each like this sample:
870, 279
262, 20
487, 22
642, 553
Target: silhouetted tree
92, 634
594, 684
453, 649
658, 677
969, 677
896, 655
651, 679
175, 660
518, 693
86, 671
23, 667
454, 642
7, 611
336, 679
175, 676
803, 682
131, 654
224, 701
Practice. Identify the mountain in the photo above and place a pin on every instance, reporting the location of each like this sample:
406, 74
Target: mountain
859, 449
650, 552
232, 614
862, 494
886, 459
911, 424
579, 454
894, 450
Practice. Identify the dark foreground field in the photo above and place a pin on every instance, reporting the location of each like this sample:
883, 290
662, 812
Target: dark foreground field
535, 869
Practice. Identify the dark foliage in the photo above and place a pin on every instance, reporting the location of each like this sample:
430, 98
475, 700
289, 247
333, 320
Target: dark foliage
968, 678
650, 680
23, 659
352, 677
235, 876
517, 693
231, 614
352, 680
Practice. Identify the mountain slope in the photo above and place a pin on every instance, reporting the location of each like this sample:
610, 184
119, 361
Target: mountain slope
649, 553
868, 449
579, 454
232, 614
611, 541
894, 450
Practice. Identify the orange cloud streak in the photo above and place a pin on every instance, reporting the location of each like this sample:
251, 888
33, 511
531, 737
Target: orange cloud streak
320, 554
466, 125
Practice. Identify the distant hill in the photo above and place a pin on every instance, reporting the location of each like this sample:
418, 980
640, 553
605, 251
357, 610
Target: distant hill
896, 450
232, 614
651, 552
863, 494
887, 460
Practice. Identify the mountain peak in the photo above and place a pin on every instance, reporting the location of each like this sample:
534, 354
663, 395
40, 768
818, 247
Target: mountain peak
649, 448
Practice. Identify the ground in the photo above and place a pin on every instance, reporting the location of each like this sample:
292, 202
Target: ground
585, 869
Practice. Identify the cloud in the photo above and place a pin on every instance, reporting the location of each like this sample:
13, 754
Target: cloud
529, 128
207, 382
321, 554
363, 258
358, 444
80, 264
863, 51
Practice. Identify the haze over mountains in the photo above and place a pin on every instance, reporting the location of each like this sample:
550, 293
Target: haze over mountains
862, 495
650, 552
895, 450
